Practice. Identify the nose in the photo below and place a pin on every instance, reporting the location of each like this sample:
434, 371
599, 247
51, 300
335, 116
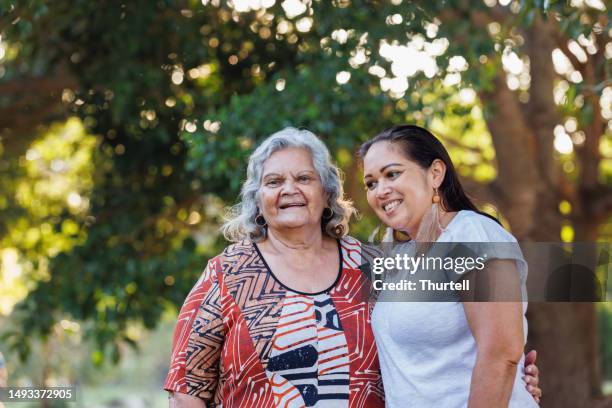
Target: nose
289, 187
383, 189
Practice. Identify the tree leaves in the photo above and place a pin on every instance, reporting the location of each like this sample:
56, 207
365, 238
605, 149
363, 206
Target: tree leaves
177, 94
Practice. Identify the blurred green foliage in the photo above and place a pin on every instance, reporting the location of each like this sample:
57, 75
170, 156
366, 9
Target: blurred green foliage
136, 379
169, 97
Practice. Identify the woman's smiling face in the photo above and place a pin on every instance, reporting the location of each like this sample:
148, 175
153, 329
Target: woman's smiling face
398, 189
291, 194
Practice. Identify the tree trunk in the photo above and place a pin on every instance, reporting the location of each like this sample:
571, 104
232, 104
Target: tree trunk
564, 334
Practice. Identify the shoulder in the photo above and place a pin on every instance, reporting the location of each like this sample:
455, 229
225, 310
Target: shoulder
352, 252
357, 255
350, 243
224, 262
235, 257
469, 226
237, 249
477, 228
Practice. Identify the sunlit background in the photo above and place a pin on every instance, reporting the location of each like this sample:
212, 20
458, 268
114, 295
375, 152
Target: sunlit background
124, 133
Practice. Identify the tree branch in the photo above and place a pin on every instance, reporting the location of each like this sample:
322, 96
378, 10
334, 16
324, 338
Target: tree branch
35, 86
561, 43
32, 102
588, 154
600, 203
499, 14
543, 114
456, 143
515, 148
480, 192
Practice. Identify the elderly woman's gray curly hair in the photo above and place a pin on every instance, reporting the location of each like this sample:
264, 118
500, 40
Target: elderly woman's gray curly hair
240, 222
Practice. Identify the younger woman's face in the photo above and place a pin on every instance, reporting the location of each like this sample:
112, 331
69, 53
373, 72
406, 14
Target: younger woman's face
398, 189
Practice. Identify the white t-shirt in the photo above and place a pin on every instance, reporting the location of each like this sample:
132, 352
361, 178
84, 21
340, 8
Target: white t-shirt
426, 349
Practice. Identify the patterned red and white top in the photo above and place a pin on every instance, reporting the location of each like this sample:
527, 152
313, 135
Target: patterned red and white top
243, 339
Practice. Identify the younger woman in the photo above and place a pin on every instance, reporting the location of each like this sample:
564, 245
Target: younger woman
442, 354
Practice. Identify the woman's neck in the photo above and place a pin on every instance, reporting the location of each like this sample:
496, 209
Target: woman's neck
433, 225
298, 240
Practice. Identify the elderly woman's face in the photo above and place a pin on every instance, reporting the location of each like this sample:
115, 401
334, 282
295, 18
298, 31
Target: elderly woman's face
291, 192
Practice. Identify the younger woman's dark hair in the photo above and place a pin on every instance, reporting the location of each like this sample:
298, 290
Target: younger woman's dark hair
420, 146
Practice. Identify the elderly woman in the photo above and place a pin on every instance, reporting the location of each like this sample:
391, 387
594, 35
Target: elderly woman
281, 317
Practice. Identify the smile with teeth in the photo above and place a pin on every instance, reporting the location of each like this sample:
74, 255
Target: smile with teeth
285, 206
391, 205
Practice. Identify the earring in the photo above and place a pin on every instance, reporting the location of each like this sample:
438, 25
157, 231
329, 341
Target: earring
400, 236
328, 213
431, 227
339, 230
436, 208
260, 220
436, 197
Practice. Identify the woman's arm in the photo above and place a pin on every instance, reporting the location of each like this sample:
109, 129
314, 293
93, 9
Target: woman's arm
197, 343
498, 330
178, 400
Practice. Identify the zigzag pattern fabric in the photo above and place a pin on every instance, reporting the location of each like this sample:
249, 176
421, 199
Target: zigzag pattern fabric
245, 340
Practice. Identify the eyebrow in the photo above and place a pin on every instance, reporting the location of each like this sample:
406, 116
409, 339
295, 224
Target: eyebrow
383, 169
270, 175
280, 175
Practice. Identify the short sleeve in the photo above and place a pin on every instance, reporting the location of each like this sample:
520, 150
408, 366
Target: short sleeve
204, 346
197, 339
485, 237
